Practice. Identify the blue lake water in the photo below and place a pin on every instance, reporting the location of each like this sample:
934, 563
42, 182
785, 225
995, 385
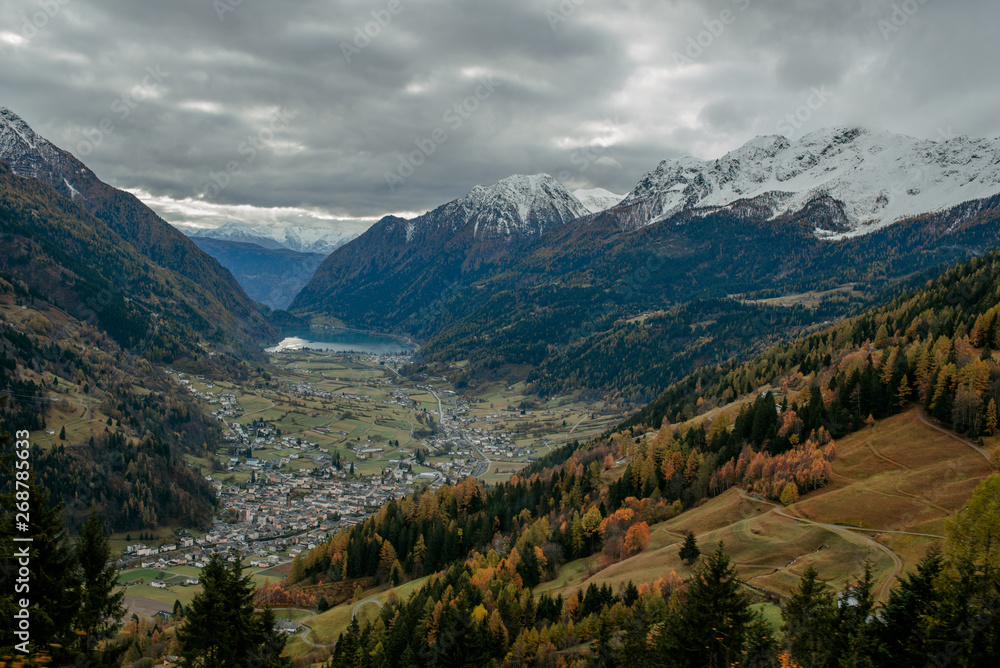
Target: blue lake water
341, 341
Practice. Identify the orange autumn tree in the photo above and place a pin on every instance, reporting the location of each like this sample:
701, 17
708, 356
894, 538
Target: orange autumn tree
808, 466
636, 538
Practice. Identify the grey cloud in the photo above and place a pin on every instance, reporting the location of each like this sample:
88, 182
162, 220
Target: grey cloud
605, 73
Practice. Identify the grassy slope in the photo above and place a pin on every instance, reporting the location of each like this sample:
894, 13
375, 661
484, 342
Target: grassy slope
902, 475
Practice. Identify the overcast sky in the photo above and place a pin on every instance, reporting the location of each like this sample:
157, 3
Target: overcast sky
316, 110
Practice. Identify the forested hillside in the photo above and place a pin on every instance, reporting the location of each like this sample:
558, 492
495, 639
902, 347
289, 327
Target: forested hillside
768, 426
212, 290
86, 318
564, 311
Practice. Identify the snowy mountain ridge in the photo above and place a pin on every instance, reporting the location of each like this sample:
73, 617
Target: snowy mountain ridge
515, 207
597, 199
278, 235
862, 180
31, 155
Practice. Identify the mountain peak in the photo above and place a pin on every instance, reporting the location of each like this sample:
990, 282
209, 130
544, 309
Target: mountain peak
870, 179
29, 154
597, 199
517, 206
11, 124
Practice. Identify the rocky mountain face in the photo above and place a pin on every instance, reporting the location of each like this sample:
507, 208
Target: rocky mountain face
398, 267
848, 181
30, 155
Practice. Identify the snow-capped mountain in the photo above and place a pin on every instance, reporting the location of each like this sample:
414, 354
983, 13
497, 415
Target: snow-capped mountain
597, 199
398, 266
518, 206
278, 235
856, 181
29, 154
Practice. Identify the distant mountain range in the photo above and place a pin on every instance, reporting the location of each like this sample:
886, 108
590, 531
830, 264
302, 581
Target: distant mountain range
526, 279
851, 180
524, 275
277, 235
271, 276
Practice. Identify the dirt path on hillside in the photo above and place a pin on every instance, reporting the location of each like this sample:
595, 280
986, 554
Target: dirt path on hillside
923, 418
845, 532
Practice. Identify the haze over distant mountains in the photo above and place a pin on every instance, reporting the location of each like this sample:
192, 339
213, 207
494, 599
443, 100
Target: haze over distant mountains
300, 238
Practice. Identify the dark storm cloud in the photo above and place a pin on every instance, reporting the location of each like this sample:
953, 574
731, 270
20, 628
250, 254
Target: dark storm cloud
293, 105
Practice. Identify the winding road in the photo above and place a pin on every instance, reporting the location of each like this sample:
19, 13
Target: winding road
844, 530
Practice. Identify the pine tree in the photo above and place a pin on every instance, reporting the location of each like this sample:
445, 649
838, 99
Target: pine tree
856, 637
221, 628
809, 619
101, 607
902, 622
270, 644
54, 578
991, 417
903, 393
62, 433
715, 626
690, 551
297, 570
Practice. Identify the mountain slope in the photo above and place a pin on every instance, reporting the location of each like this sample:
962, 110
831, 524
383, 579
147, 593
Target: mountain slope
862, 180
597, 199
395, 269
29, 154
589, 308
79, 264
723, 448
270, 276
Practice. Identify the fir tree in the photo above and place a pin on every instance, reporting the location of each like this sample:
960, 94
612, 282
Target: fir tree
809, 618
221, 628
902, 622
54, 579
270, 643
856, 638
716, 627
690, 551
101, 608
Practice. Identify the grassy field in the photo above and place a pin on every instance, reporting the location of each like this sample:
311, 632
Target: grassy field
327, 626
901, 476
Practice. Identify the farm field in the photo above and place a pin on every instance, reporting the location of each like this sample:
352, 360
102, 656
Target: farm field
360, 408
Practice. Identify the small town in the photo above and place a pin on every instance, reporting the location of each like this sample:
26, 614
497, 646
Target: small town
292, 502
